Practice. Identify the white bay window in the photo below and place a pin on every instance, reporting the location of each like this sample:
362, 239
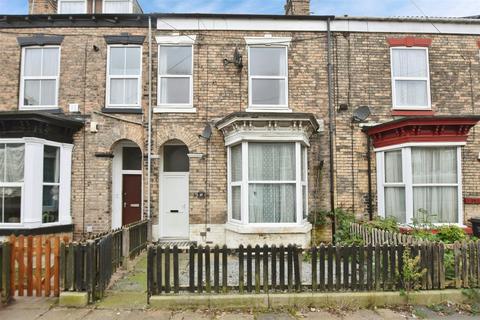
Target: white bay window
420, 182
410, 78
72, 6
267, 183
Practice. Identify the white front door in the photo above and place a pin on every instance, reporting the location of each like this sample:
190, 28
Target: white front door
174, 221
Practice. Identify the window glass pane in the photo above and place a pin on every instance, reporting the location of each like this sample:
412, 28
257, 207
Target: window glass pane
132, 158
437, 204
14, 162
175, 90
411, 93
271, 203
32, 62
434, 165
50, 204
268, 92
175, 159
117, 6
72, 7
271, 161
31, 93
236, 167
117, 61
175, 60
268, 61
236, 203
48, 88
303, 169
304, 202
395, 203
131, 92
12, 199
2, 162
51, 164
50, 62
393, 166
117, 91
409, 63
133, 61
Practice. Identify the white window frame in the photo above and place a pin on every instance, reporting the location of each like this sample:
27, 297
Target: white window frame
264, 107
177, 107
110, 77
245, 183
394, 78
60, 2
23, 78
52, 184
407, 173
13, 184
129, 1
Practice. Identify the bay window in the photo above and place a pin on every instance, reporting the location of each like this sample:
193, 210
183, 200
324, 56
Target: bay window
410, 78
268, 77
124, 76
420, 182
117, 6
39, 77
35, 183
267, 182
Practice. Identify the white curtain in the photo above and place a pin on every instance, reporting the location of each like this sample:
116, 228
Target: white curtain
40, 62
72, 6
395, 203
435, 166
131, 91
269, 91
236, 202
174, 90
15, 162
271, 203
410, 63
393, 166
236, 163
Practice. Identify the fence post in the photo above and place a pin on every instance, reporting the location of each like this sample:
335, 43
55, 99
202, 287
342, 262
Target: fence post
149, 231
125, 247
5, 293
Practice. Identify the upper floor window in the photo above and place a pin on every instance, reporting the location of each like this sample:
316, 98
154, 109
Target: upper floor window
72, 6
410, 78
175, 76
124, 76
268, 77
420, 183
39, 78
117, 6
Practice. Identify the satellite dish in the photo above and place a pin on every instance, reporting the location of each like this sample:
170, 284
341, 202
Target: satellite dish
361, 114
207, 132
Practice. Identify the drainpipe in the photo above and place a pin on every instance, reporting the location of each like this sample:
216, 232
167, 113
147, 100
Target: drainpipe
369, 161
331, 123
149, 139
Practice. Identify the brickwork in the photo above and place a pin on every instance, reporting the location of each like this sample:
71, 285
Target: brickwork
42, 6
297, 7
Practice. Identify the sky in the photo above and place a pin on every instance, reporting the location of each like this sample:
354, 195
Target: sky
434, 8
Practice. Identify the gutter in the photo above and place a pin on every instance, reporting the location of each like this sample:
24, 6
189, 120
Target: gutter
149, 138
331, 125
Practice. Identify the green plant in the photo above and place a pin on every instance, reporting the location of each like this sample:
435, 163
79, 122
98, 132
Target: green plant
412, 273
343, 221
319, 217
450, 234
387, 224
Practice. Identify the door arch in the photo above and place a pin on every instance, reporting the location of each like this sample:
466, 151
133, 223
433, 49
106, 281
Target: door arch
174, 191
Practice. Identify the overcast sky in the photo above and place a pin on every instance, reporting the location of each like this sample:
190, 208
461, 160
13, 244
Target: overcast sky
320, 7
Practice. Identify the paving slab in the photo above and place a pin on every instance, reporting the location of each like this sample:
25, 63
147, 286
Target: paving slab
363, 315
191, 315
235, 316
392, 315
65, 314
320, 315
273, 316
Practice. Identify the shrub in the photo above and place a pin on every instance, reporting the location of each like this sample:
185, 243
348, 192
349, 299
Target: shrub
450, 234
387, 224
342, 229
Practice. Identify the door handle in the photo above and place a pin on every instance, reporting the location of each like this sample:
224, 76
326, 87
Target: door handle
124, 204
173, 211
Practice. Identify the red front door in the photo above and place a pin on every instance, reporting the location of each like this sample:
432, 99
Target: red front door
132, 198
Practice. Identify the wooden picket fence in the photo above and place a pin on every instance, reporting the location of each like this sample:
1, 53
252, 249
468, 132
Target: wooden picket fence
375, 236
138, 233
292, 269
5, 293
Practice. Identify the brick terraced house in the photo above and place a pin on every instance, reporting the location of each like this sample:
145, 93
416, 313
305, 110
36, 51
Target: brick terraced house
230, 129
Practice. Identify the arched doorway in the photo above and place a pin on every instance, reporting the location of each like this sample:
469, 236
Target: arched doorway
174, 191
126, 184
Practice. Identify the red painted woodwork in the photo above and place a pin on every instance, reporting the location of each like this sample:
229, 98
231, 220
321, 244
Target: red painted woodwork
412, 113
471, 200
409, 42
132, 198
422, 129
478, 43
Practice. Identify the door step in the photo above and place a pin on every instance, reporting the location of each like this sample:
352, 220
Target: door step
181, 244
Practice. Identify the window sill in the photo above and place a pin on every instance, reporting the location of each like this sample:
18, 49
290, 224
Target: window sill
419, 112
41, 109
6, 230
282, 228
174, 109
133, 110
262, 109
